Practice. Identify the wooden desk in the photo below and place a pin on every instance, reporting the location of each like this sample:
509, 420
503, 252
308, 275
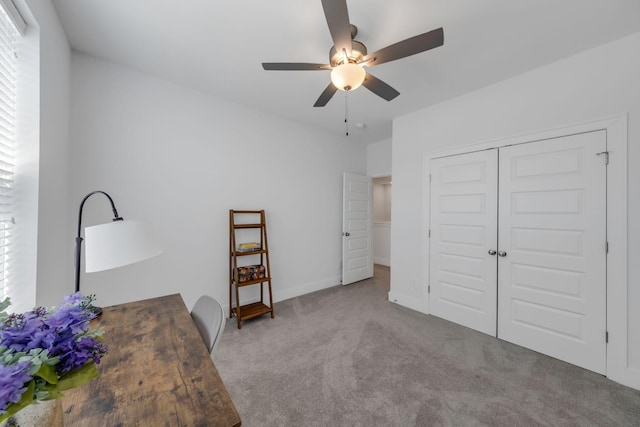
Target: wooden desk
157, 373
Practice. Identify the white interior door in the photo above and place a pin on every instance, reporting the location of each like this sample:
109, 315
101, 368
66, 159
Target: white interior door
552, 268
463, 244
357, 224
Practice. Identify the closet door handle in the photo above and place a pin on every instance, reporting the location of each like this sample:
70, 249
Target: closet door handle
347, 234
502, 253
492, 252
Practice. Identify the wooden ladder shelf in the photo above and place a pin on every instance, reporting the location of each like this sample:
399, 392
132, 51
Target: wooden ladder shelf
241, 272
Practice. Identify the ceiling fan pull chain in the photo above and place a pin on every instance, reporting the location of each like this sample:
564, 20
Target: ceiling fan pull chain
346, 112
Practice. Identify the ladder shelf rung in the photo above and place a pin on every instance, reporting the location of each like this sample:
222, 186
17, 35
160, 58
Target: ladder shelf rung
252, 282
250, 311
248, 225
247, 212
238, 253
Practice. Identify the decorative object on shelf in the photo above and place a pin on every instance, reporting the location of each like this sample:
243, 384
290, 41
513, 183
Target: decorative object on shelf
44, 352
251, 272
114, 244
243, 271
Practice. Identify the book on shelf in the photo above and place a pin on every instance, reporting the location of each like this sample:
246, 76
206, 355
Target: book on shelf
248, 247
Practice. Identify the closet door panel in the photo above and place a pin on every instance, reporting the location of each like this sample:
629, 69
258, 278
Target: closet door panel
463, 229
552, 231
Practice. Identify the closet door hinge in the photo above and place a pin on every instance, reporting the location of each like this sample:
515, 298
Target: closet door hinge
606, 247
429, 232
428, 289
606, 156
606, 337
429, 177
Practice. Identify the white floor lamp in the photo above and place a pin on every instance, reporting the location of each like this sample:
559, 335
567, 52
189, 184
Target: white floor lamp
114, 244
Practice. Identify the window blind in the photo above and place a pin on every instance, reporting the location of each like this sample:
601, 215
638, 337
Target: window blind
8, 66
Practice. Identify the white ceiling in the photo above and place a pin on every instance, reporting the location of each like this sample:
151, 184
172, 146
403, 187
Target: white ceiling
218, 47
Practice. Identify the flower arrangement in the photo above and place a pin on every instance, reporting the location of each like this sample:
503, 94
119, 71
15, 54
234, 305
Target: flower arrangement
44, 352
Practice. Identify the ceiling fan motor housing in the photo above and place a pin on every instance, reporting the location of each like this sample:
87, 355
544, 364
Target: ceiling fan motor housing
358, 52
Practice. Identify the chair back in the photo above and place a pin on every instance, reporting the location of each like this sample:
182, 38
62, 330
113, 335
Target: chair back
209, 317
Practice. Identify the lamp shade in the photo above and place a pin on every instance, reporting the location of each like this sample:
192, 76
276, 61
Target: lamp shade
347, 76
118, 243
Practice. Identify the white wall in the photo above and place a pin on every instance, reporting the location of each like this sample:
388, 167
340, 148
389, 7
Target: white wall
54, 242
379, 158
382, 243
182, 159
381, 202
596, 84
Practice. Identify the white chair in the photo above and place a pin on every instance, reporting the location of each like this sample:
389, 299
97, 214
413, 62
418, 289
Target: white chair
209, 318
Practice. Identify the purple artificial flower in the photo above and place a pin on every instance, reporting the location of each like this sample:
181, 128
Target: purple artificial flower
63, 332
74, 354
73, 299
13, 383
23, 332
70, 321
50, 331
70, 317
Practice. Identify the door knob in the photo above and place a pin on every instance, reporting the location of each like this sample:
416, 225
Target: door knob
347, 234
492, 252
502, 253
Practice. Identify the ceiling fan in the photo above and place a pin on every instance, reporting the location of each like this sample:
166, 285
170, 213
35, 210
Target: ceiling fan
348, 56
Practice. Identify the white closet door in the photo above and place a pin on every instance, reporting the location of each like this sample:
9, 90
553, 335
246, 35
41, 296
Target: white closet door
463, 227
357, 223
552, 268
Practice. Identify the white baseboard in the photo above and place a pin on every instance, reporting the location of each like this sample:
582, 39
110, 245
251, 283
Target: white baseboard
630, 377
284, 294
382, 261
409, 302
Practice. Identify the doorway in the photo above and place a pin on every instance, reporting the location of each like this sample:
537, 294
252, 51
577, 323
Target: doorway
382, 220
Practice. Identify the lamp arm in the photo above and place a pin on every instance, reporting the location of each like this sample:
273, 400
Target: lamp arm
79, 235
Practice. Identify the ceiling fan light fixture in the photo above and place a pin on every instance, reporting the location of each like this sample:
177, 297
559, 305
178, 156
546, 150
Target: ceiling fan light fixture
348, 76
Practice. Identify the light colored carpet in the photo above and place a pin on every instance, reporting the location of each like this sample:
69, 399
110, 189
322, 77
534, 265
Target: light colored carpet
345, 356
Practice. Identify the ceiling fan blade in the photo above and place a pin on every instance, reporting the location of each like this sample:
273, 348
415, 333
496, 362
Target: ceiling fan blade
326, 96
294, 66
337, 16
408, 47
379, 87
